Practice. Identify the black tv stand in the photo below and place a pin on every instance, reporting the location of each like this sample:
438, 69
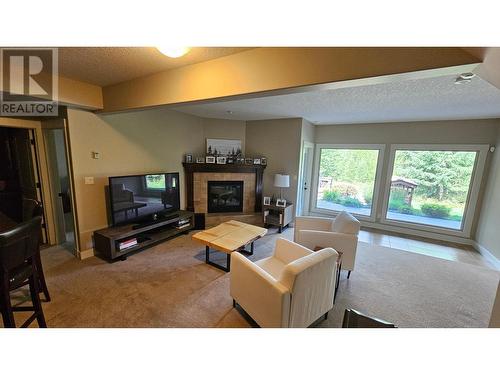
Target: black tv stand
159, 220
107, 241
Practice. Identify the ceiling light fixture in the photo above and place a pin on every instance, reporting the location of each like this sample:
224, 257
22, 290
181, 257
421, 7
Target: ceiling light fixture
464, 78
173, 52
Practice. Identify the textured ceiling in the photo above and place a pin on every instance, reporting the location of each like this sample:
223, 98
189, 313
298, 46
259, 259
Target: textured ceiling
411, 100
105, 66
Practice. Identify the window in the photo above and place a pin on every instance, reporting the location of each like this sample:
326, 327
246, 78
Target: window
434, 187
347, 178
155, 182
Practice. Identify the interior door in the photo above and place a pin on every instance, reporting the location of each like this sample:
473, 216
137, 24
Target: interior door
60, 187
306, 164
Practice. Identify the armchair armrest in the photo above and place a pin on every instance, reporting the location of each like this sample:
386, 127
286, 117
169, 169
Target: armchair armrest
342, 242
288, 251
261, 295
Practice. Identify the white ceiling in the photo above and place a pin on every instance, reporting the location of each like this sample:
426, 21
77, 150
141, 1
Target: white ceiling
105, 66
426, 99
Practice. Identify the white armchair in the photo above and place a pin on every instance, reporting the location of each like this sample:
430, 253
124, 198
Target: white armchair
340, 234
292, 288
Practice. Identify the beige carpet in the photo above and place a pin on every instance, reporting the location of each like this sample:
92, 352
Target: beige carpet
170, 286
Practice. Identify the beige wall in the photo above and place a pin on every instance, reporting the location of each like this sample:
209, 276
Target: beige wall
265, 69
279, 141
308, 131
487, 234
128, 143
225, 129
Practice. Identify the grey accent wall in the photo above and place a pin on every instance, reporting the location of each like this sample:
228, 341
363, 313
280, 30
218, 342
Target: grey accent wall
279, 141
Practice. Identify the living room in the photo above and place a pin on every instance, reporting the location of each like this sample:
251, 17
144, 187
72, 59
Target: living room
244, 187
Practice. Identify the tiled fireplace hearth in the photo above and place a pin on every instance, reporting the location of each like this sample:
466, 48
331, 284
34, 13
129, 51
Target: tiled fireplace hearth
223, 188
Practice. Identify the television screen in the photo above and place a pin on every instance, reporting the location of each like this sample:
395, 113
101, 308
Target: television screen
135, 198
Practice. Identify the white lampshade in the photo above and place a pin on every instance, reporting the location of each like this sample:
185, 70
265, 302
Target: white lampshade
282, 180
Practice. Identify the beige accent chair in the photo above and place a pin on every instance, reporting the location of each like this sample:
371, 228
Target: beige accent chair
292, 288
340, 234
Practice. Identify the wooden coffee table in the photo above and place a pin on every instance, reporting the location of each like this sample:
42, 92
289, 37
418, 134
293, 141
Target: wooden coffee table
228, 237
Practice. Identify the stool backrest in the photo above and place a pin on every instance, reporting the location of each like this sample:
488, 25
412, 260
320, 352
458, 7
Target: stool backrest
31, 208
19, 244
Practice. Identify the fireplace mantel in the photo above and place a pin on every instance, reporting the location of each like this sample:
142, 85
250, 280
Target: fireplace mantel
191, 168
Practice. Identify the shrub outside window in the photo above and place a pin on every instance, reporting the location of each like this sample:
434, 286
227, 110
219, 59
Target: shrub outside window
347, 179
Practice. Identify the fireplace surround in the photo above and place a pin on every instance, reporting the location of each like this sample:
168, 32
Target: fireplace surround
197, 177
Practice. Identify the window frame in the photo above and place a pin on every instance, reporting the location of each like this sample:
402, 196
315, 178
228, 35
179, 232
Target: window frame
472, 195
376, 188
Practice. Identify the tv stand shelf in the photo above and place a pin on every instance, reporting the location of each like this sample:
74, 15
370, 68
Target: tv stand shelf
106, 241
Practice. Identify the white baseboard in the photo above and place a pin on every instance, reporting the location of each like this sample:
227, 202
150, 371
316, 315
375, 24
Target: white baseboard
84, 254
487, 254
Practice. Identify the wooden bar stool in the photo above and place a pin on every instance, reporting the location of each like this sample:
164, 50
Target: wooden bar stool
33, 208
18, 249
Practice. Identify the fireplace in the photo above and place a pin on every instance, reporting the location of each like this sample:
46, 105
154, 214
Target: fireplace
225, 196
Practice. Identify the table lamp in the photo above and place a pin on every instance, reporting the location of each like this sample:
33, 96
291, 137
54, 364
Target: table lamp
281, 181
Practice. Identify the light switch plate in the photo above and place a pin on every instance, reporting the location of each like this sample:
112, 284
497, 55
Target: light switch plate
89, 180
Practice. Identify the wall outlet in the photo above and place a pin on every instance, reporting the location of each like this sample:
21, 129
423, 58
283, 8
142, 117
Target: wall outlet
89, 180
95, 155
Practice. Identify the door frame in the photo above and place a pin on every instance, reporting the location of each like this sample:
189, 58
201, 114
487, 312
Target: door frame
308, 169
37, 126
62, 123
42, 168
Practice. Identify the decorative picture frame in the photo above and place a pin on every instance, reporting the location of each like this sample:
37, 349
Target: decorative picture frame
267, 201
221, 160
256, 161
189, 158
248, 161
230, 161
200, 160
263, 161
223, 147
280, 202
210, 159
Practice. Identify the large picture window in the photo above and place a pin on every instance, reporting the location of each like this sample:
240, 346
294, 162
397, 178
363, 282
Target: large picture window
434, 187
431, 187
347, 179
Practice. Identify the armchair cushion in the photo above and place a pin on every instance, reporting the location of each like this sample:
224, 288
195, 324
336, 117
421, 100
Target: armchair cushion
345, 223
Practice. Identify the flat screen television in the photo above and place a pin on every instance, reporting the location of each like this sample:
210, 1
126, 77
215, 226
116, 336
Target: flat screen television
141, 198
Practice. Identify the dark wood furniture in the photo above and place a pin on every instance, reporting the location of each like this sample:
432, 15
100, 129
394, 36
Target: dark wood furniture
18, 249
356, 319
31, 208
277, 216
128, 206
107, 241
191, 168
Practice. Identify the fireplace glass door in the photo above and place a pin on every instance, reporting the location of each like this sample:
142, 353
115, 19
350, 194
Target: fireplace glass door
225, 196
